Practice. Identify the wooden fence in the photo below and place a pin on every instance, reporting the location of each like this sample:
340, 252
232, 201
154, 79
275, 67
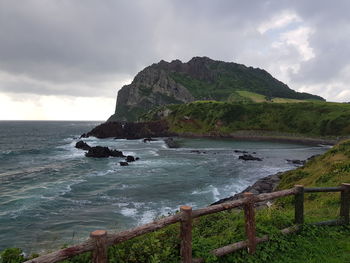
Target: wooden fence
99, 240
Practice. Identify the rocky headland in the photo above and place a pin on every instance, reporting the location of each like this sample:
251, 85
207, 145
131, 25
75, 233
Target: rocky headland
201, 78
130, 130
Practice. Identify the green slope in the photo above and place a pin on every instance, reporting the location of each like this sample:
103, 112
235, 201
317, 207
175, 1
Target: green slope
223, 118
201, 78
217, 80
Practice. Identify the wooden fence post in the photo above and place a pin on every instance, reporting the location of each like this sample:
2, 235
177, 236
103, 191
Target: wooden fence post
345, 203
249, 217
299, 205
186, 234
99, 254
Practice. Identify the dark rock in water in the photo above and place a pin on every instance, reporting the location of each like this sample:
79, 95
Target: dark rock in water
103, 152
149, 140
248, 157
82, 145
130, 158
264, 185
137, 158
83, 136
115, 153
297, 162
171, 143
123, 163
130, 130
98, 152
239, 151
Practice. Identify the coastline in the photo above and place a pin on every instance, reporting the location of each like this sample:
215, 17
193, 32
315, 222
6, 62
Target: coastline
264, 185
265, 136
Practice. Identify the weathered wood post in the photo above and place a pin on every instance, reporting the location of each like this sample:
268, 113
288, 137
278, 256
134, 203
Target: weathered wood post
299, 205
186, 234
249, 217
99, 254
345, 202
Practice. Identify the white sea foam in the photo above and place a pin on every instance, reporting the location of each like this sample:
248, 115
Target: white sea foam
153, 152
101, 173
215, 193
79, 202
128, 211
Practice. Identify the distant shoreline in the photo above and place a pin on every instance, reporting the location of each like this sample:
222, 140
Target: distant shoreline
264, 136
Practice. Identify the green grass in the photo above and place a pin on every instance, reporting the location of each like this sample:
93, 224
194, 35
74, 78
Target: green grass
255, 97
304, 119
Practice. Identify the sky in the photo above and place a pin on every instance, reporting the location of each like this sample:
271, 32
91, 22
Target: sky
67, 59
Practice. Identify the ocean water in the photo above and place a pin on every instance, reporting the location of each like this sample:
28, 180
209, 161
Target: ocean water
51, 194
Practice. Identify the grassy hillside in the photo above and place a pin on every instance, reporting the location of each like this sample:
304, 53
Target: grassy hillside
201, 78
217, 80
212, 117
247, 96
311, 245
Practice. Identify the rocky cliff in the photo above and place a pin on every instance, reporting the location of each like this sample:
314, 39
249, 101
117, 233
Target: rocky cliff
201, 78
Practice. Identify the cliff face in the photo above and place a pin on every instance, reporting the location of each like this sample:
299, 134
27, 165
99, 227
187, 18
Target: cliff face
199, 79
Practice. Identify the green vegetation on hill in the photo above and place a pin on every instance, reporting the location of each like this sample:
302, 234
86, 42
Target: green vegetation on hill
223, 118
201, 78
255, 97
211, 79
311, 245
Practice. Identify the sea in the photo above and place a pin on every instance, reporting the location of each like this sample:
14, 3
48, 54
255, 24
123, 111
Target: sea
52, 195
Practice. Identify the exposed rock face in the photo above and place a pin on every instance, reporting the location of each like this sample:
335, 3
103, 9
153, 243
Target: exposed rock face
151, 87
103, 152
171, 143
201, 78
130, 158
248, 157
130, 130
297, 162
82, 145
264, 185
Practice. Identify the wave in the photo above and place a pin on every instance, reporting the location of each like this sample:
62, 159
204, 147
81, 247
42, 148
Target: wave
30, 170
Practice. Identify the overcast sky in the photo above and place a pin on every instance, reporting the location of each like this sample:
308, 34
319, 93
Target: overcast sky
66, 59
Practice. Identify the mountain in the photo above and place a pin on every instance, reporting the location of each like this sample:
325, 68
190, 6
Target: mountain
201, 78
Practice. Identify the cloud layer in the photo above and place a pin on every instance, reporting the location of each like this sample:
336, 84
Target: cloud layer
89, 48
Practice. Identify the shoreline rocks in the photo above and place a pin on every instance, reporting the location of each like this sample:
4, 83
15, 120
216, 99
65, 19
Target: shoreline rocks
248, 157
296, 162
130, 130
103, 152
171, 143
82, 145
264, 185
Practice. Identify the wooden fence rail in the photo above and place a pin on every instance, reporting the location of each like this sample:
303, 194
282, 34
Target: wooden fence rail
100, 240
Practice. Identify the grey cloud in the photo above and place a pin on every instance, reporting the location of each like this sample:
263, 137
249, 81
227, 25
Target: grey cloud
71, 47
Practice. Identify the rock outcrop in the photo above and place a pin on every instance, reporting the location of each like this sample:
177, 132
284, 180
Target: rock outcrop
201, 78
82, 145
264, 185
248, 157
171, 143
103, 152
296, 162
130, 130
